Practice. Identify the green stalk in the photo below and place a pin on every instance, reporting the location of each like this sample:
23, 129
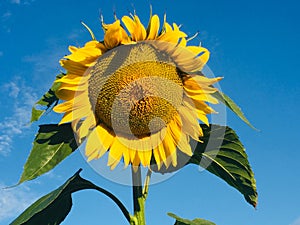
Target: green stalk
138, 198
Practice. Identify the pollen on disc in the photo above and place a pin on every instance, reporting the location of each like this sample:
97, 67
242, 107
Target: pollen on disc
133, 87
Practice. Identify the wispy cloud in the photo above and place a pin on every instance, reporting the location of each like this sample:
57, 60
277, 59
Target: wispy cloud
21, 2
6, 16
21, 98
1, 53
5, 21
18, 2
46, 63
15, 200
296, 222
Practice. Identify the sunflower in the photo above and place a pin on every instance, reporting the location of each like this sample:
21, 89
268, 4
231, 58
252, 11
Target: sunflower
136, 94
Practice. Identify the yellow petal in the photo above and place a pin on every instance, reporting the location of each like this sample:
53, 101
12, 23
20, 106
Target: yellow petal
155, 140
153, 28
198, 106
73, 87
106, 137
170, 150
172, 36
129, 24
136, 162
161, 150
132, 154
202, 80
157, 158
86, 125
126, 157
86, 55
73, 67
92, 145
115, 153
135, 28
203, 117
145, 156
73, 49
199, 90
202, 97
72, 79
140, 29
184, 145
76, 103
145, 150
183, 42
73, 115
190, 124
92, 156
115, 35
65, 94
168, 27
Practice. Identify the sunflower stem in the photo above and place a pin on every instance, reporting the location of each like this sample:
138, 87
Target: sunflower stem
138, 197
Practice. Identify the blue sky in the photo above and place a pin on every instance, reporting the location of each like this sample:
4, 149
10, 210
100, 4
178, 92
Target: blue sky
254, 45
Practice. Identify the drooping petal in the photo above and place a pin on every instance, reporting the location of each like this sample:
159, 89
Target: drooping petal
115, 35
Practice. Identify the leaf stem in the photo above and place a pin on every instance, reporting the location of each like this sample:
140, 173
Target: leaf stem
117, 201
85, 184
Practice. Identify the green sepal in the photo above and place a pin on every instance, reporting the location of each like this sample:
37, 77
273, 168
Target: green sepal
198, 221
222, 154
52, 144
53, 208
47, 101
232, 106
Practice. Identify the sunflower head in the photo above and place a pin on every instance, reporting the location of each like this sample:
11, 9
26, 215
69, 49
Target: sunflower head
136, 95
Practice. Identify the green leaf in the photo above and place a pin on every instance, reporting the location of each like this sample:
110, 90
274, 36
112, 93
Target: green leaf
232, 106
52, 144
222, 154
48, 100
53, 208
181, 221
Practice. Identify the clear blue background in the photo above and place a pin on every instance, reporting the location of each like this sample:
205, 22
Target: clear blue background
254, 45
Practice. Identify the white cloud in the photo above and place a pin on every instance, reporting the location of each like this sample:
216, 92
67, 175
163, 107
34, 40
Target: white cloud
18, 97
22, 99
296, 222
5, 142
18, 2
46, 63
14, 200
5, 20
21, 2
12, 88
6, 15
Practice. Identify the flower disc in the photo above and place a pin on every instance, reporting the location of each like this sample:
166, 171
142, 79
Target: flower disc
138, 84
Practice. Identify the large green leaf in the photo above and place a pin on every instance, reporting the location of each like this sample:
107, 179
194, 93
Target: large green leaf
53, 208
232, 106
222, 154
48, 100
52, 144
181, 221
